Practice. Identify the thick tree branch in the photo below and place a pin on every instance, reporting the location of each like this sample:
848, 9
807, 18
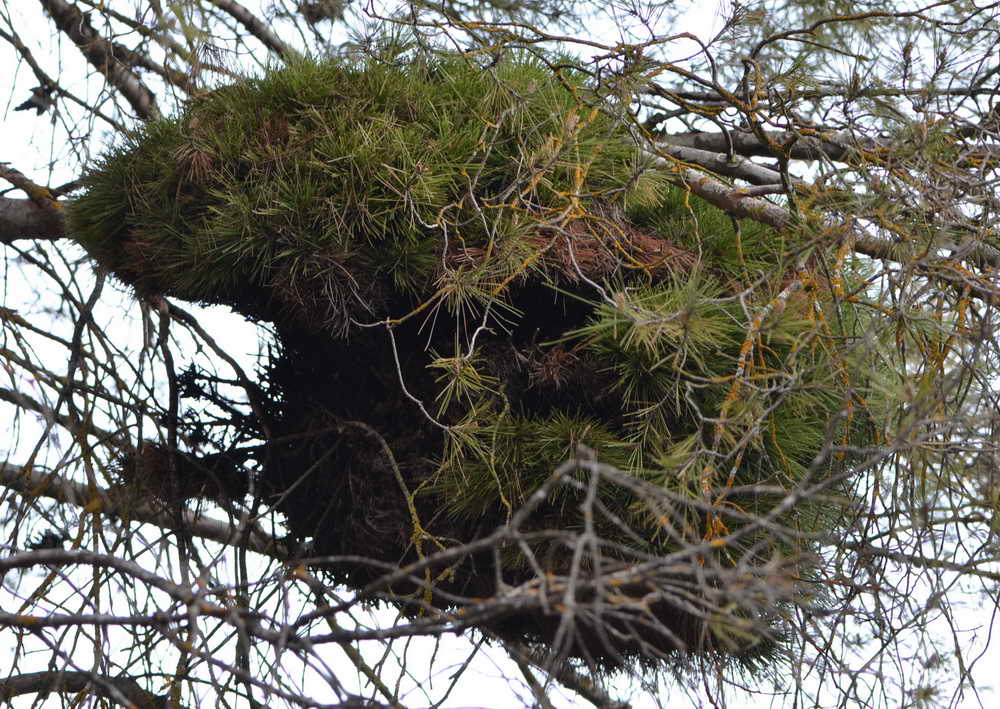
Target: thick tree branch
23, 219
836, 146
718, 162
925, 562
734, 201
101, 54
738, 203
41, 196
122, 690
255, 27
23, 401
36, 483
830, 90
832, 146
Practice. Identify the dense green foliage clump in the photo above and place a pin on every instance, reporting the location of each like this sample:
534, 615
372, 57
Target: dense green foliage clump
473, 272
323, 171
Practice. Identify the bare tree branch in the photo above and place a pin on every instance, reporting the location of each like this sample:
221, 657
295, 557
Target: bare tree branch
101, 54
719, 163
836, 146
121, 690
255, 27
37, 483
830, 146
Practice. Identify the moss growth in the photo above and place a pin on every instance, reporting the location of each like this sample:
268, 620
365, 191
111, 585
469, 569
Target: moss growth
541, 288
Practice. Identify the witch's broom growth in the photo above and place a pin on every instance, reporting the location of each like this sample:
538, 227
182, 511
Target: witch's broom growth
475, 275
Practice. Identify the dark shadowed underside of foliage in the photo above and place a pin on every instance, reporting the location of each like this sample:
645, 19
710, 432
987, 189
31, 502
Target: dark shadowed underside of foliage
486, 242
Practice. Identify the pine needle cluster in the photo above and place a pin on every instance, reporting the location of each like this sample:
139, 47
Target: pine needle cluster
492, 242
